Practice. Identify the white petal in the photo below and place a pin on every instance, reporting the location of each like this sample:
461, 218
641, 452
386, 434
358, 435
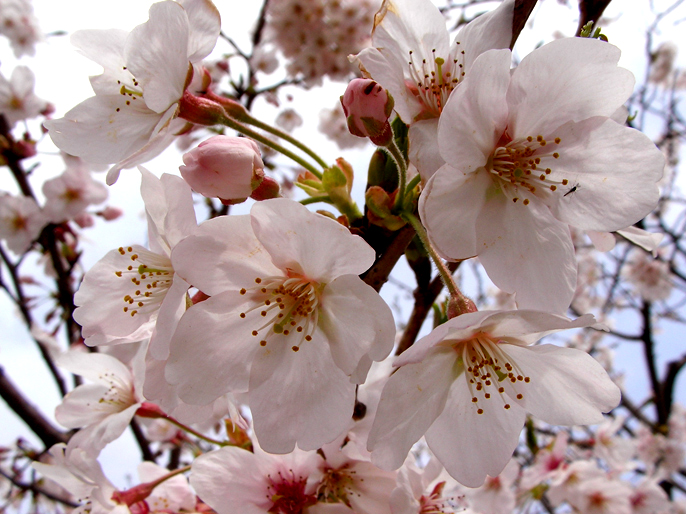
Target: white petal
492, 30
204, 24
568, 386
526, 251
471, 445
308, 243
411, 400
356, 322
157, 55
298, 396
105, 47
567, 79
423, 151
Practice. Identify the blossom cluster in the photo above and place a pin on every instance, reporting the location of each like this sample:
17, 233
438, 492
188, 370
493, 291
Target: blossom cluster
254, 345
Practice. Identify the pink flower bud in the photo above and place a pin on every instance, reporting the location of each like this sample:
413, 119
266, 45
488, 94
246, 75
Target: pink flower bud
110, 213
229, 168
367, 107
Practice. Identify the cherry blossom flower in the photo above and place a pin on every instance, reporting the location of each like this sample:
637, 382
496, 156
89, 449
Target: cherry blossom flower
21, 221
122, 295
68, 195
131, 118
80, 474
497, 494
651, 277
469, 384
20, 25
17, 100
533, 160
415, 31
234, 480
102, 409
286, 307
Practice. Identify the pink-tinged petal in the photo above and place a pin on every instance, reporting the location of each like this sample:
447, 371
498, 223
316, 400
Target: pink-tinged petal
527, 327
492, 30
526, 251
647, 240
93, 366
162, 136
356, 322
298, 396
95, 437
246, 489
567, 79
296, 237
172, 308
204, 26
223, 254
76, 409
414, 396
401, 27
423, 151
471, 445
603, 241
95, 131
475, 115
453, 230
605, 160
104, 47
169, 205
157, 55
212, 340
567, 387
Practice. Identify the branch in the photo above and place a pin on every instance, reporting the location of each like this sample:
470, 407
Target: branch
378, 274
29, 414
36, 489
522, 11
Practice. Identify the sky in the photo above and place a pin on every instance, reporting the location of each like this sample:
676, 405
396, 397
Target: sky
61, 77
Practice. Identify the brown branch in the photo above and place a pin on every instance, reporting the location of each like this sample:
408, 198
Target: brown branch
522, 11
29, 413
143, 443
36, 489
423, 300
590, 10
378, 274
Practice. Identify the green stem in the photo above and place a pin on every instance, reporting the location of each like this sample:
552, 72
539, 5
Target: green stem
286, 137
195, 432
413, 183
443, 270
399, 159
315, 199
268, 142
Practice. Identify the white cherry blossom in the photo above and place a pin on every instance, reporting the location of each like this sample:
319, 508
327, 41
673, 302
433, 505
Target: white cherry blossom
129, 289
21, 221
469, 384
17, 100
288, 320
411, 56
530, 153
131, 118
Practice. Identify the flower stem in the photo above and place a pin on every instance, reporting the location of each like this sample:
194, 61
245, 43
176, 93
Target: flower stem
413, 183
195, 432
459, 303
315, 199
169, 475
231, 123
399, 159
286, 137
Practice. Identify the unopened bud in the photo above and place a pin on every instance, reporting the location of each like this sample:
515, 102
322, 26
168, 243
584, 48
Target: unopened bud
268, 188
367, 107
224, 167
201, 110
110, 213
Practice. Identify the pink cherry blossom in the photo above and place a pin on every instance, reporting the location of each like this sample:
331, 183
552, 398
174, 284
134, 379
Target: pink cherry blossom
469, 384
539, 152
21, 221
17, 100
131, 118
286, 307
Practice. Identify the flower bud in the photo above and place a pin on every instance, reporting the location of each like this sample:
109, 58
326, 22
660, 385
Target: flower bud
229, 168
367, 107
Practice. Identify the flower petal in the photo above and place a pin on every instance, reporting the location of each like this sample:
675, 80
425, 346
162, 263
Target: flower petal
308, 243
568, 386
567, 79
204, 24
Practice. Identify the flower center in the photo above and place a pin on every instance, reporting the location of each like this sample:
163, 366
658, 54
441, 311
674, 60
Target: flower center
118, 397
289, 306
486, 367
287, 494
337, 486
151, 276
525, 167
433, 81
435, 503
129, 88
